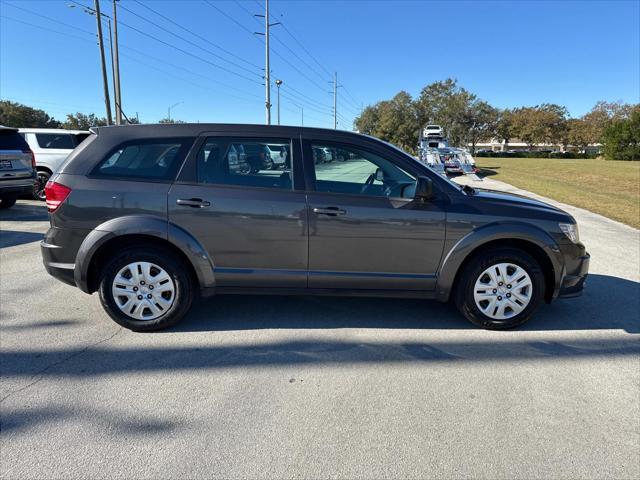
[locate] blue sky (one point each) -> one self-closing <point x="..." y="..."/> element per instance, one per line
<point x="508" y="53"/>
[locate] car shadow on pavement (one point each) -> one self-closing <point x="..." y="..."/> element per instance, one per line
<point x="11" y="238"/>
<point x="25" y="212"/>
<point x="607" y="303"/>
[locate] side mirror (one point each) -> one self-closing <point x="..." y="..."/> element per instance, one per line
<point x="424" y="189"/>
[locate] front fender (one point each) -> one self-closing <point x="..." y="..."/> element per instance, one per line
<point x="142" y="225"/>
<point x="453" y="259"/>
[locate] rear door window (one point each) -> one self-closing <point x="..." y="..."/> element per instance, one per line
<point x="60" y="141"/>
<point x="157" y="160"/>
<point x="249" y="162"/>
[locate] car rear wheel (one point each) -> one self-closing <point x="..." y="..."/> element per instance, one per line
<point x="8" y="200"/>
<point x="500" y="289"/>
<point x="38" y="188"/>
<point x="145" y="290"/>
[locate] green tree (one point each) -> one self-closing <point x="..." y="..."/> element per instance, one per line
<point x="578" y="133"/>
<point x="479" y="121"/>
<point x="170" y="120"/>
<point x="13" y="114"/>
<point x="83" y="121"/>
<point x="621" y="137"/>
<point x="447" y="104"/>
<point x="544" y="123"/>
<point x="503" y="129"/>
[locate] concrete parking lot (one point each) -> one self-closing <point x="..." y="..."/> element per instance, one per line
<point x="273" y="387"/>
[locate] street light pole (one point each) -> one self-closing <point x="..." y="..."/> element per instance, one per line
<point x="169" y="110"/>
<point x="278" y="83"/>
<point x="107" y="101"/>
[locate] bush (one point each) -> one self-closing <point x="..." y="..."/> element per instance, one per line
<point x="536" y="155"/>
<point x="622" y="138"/>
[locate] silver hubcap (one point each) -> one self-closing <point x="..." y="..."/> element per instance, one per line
<point x="143" y="290"/>
<point x="503" y="291"/>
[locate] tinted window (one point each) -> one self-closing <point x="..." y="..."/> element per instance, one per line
<point x="245" y="162"/>
<point x="63" y="141"/>
<point x="12" y="140"/>
<point x="343" y="169"/>
<point x="155" y="160"/>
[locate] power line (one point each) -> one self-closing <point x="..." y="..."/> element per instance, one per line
<point x="144" y="54"/>
<point x="47" y="28"/>
<point x="51" y="19"/>
<point x="196" y="35"/>
<point x="191" y="43"/>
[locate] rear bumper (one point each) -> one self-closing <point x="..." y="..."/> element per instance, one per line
<point x="575" y="278"/>
<point x="24" y="186"/>
<point x="60" y="270"/>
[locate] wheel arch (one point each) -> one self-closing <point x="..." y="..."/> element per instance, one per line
<point x="115" y="234"/>
<point x="527" y="238"/>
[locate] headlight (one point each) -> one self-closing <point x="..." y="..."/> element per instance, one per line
<point x="571" y="231"/>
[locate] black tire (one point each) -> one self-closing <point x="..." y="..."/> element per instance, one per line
<point x="165" y="259"/>
<point x="7" y="201"/>
<point x="38" y="188"/>
<point x="464" y="293"/>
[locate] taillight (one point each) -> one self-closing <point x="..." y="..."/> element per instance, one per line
<point x="33" y="158"/>
<point x="55" y="194"/>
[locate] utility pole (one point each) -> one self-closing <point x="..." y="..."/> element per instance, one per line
<point x="335" y="100"/>
<point x="267" y="71"/>
<point x="116" y="75"/>
<point x="278" y="83"/>
<point x="302" y="110"/>
<point x="107" y="101"/>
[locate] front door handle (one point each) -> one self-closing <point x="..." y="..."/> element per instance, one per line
<point x="193" y="202"/>
<point x="331" y="211"/>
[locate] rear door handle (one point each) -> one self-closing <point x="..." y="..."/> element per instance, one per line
<point x="193" y="202"/>
<point x="331" y="211"/>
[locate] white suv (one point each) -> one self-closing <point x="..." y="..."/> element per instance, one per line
<point x="50" y="147"/>
<point x="431" y="131"/>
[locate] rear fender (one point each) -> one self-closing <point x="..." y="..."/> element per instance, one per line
<point x="143" y="225"/>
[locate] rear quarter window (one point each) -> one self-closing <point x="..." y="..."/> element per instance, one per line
<point x="60" y="141"/>
<point x="154" y="160"/>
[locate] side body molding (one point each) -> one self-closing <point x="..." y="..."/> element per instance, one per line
<point x="144" y="225"/>
<point x="453" y="259"/>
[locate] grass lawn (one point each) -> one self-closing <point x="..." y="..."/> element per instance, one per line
<point x="610" y="188"/>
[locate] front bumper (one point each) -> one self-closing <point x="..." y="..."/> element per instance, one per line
<point x="574" y="280"/>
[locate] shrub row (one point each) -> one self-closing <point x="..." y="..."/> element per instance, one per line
<point x="535" y="155"/>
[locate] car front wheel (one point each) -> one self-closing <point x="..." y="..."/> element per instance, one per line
<point x="500" y="289"/>
<point x="145" y="290"/>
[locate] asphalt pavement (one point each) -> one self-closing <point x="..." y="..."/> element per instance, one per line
<point x="283" y="387"/>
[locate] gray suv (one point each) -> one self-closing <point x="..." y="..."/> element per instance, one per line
<point x="151" y="216"/>
<point x="17" y="167"/>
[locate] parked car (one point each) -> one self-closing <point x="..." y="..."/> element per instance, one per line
<point x="149" y="231"/>
<point x="433" y="131"/>
<point x="51" y="147"/>
<point x="279" y="157"/>
<point x="17" y="167"/>
<point x="319" y="155"/>
<point x="450" y="159"/>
